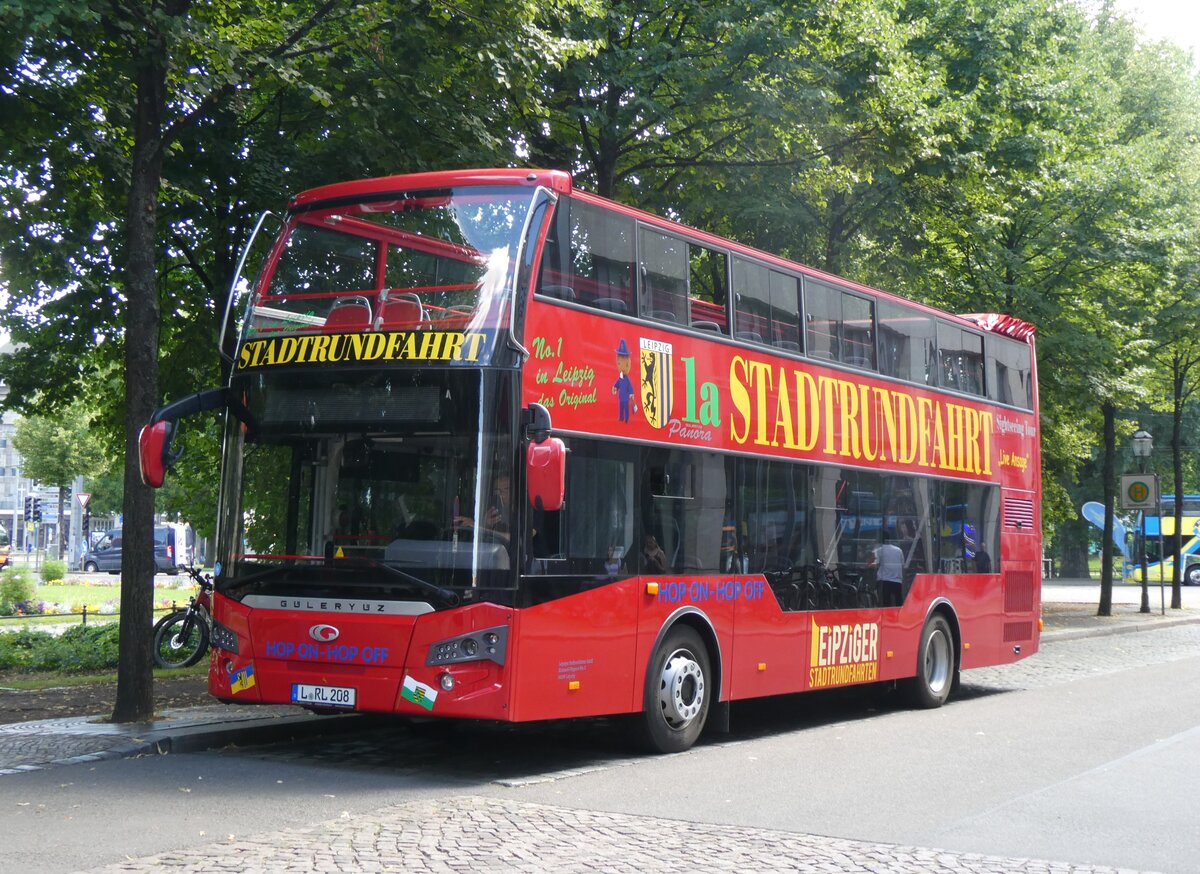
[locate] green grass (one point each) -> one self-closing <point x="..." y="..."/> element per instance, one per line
<point x="74" y="595"/>
<point x="70" y="597"/>
<point x="27" y="681"/>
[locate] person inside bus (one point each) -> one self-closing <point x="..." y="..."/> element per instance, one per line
<point x="888" y="562"/>
<point x="495" y="518"/>
<point x="612" y="564"/>
<point x="654" y="560"/>
<point x="771" y="554"/>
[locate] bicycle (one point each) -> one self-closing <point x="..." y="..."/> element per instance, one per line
<point x="181" y="638"/>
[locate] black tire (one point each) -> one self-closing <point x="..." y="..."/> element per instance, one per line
<point x="179" y="640"/>
<point x="678" y="692"/>
<point x="91" y="567"/>
<point x="937" y="665"/>
<point x="1192" y="578"/>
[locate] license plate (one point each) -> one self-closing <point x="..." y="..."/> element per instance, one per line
<point x="325" y="696"/>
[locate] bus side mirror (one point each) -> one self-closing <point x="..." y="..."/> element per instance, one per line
<point x="154" y="452"/>
<point x="154" y="441"/>
<point x="546" y="473"/>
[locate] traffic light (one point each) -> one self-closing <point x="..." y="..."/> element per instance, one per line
<point x="37" y="510"/>
<point x="29" y="507"/>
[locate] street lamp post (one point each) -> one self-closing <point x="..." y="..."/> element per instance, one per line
<point x="1143" y="445"/>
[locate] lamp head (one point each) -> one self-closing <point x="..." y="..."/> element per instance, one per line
<point x="1143" y="443"/>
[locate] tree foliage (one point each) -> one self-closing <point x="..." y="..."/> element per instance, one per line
<point x="56" y="450"/>
<point x="1030" y="157"/>
<point x="133" y="123"/>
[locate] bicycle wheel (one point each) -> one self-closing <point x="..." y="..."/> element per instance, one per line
<point x="180" y="640"/>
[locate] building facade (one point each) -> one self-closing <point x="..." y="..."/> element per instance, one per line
<point x="14" y="486"/>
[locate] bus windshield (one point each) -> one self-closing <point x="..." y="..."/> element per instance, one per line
<point x="381" y="482"/>
<point x="435" y="260"/>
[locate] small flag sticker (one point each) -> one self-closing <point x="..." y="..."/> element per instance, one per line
<point x="418" y="693"/>
<point x="242" y="680"/>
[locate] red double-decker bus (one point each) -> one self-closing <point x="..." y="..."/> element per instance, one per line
<point x="501" y="449"/>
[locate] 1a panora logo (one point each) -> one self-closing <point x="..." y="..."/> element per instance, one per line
<point x="323" y="633"/>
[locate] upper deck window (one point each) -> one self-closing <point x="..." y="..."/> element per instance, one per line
<point x="1011" y="378"/>
<point x="840" y="325"/>
<point x="663" y="268"/>
<point x="907" y="343"/>
<point x="708" y="288"/>
<point x="588" y="257"/>
<point x="767" y="304"/>
<point x="960" y="359"/>
<point x="436" y="260"/>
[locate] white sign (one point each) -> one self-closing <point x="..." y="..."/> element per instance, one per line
<point x="83" y="498"/>
<point x="1139" y="491"/>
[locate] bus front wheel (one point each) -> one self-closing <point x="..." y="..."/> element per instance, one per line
<point x="677" y="692"/>
<point x="936" y="665"/>
<point x="1193" y="575"/>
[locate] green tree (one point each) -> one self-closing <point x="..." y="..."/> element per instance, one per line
<point x="136" y="153"/>
<point x="176" y="62"/>
<point x="54" y="451"/>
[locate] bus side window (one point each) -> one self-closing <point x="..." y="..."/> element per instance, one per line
<point x="1009" y="372"/>
<point x="596" y="521"/>
<point x="663" y="268"/>
<point x="708" y="287"/>
<point x="960" y="359"/>
<point x="906" y="343"/>
<point x="967" y="528"/>
<point x="598" y="263"/>
<point x="840" y="324"/>
<point x="684" y="507"/>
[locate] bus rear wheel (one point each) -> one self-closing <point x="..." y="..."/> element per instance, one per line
<point x="1193" y="575"/>
<point x="936" y="665"/>
<point x="677" y="692"/>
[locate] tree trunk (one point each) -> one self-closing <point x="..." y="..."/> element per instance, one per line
<point x="1072" y="540"/>
<point x="64" y="495"/>
<point x="1106" y="548"/>
<point x="135" y="698"/>
<point x="1177" y="471"/>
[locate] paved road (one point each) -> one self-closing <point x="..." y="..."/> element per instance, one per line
<point x="1088" y="753"/>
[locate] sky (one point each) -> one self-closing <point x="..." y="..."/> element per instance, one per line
<point x="1176" y="20"/>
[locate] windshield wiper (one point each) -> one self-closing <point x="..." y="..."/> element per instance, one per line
<point x="449" y="597"/>
<point x="228" y="582"/>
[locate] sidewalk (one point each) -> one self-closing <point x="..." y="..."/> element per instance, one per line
<point x="31" y="746"/>
<point x="1064" y="621"/>
<point x="1068" y="609"/>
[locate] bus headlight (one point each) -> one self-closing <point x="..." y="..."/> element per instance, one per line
<point x="490" y="644"/>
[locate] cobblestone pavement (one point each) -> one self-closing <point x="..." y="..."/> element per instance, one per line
<point x="30" y="746"/>
<point x="473" y="834"/>
<point x="1065" y="661"/>
<point x="466" y="832"/>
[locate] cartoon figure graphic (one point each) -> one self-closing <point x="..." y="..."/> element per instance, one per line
<point x="623" y="387"/>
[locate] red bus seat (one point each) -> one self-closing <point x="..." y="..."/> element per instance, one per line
<point x="399" y="309"/>
<point x="349" y="314"/>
